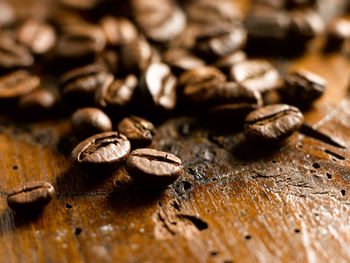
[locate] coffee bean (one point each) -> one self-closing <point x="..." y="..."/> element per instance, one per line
<point x="272" y="123"/>
<point x="139" y="131"/>
<point x="200" y="76"/>
<point x="109" y="59"/>
<point x="255" y="74"/>
<point x="229" y="60"/>
<point x="302" y="87"/>
<point x="102" y="151"/>
<point x="338" y="30"/>
<point x="38" y="102"/>
<point x="118" y="31"/>
<point x="306" y="23"/>
<point x="116" y="93"/>
<point x="160" y="84"/>
<point x="79" y="85"/>
<point x="90" y="121"/>
<point x="17" y="83"/>
<point x="181" y="60"/>
<point x="7" y="14"/>
<point x="34" y="194"/>
<point x="39" y="36"/>
<point x="152" y="167"/>
<point x="80" y="39"/>
<point x="13" y="54"/>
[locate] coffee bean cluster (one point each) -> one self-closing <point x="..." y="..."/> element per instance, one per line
<point x="111" y="65"/>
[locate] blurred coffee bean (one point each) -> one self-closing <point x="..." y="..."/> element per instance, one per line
<point x="256" y="74"/>
<point x="7" y="14"/>
<point x="116" y="93"/>
<point x="181" y="60"/>
<point x="101" y="152"/>
<point x="118" y="31"/>
<point x="272" y="123"/>
<point x="109" y="59"/>
<point x="221" y="40"/>
<point x="89" y="121"/>
<point x="159" y="84"/>
<point x="306" y="23"/>
<point x="229" y="60"/>
<point x="80" y="4"/>
<point x="37" y="103"/>
<point x="139" y="131"/>
<point x="153" y="168"/>
<point x="338" y="31"/>
<point x="17" y="83"/>
<point x="30" y="195"/>
<point x="79" y="85"/>
<point x="39" y="36"/>
<point x="302" y="87"/>
<point x="13" y="54"/>
<point x="200" y="76"/>
<point x="80" y="39"/>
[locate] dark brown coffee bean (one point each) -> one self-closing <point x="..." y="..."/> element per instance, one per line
<point x="160" y="84"/>
<point x="152" y="167"/>
<point x="7" y="14"/>
<point x="37" y="102"/>
<point x="302" y="87"/>
<point x="79" y="85"/>
<point x="116" y="93"/>
<point x="102" y="151"/>
<point x="17" y="83"/>
<point x="200" y="76"/>
<point x="34" y="194"/>
<point x="306" y="23"/>
<point x="273" y="123"/>
<point x="218" y="41"/>
<point x="118" y="31"/>
<point x="181" y="60"/>
<point x="80" y="40"/>
<point x="338" y="30"/>
<point x="258" y="75"/>
<point x="90" y="121"/>
<point x="229" y="60"/>
<point x="139" y="131"/>
<point x="13" y="54"/>
<point x="39" y="36"/>
<point x="109" y="59"/>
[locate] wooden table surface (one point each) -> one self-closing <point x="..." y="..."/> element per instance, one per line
<point x="234" y="203"/>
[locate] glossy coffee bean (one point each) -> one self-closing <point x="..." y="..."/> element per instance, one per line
<point x="200" y="76"/>
<point x="33" y="195"/>
<point x="13" y="54"/>
<point x="152" y="167"/>
<point x="302" y="87"/>
<point x="80" y="40"/>
<point x="109" y="59"/>
<point x="255" y="74"/>
<point x="118" y="31"/>
<point x="17" y="83"/>
<point x="181" y="60"/>
<point x="338" y="30"/>
<point x="116" y="93"/>
<point x="229" y="60"/>
<point x="86" y="122"/>
<point x="272" y="123"/>
<point x="37" y="102"/>
<point x="39" y="36"/>
<point x="102" y="151"/>
<point x="159" y="83"/>
<point x="306" y="23"/>
<point x="139" y="131"/>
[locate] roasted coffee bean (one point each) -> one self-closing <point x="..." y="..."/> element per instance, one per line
<point x="160" y="84"/>
<point x="33" y="195"/>
<point x="7" y="14"/>
<point x="218" y="41"/>
<point x="109" y="59"/>
<point x="338" y="30"/>
<point x="272" y="123"/>
<point x="17" y="83"/>
<point x="80" y="84"/>
<point x="306" y="23"/>
<point x="229" y="60"/>
<point x="80" y="40"/>
<point x="118" y="31"/>
<point x="205" y="75"/>
<point x="255" y="74"/>
<point x="37" y="102"/>
<point x="139" y="131"/>
<point x="90" y="121"/>
<point x="181" y="60"/>
<point x="102" y="151"/>
<point x="221" y="93"/>
<point x="39" y="36"/>
<point x="152" y="167"/>
<point x="302" y="87"/>
<point x="116" y="93"/>
<point x="13" y="54"/>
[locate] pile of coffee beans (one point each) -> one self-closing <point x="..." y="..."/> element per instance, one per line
<point x="117" y="66"/>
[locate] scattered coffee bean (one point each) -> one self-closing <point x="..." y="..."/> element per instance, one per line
<point x="109" y="59"/>
<point x="37" y="102"/>
<point x="306" y="23"/>
<point x="181" y="60"/>
<point x="302" y="87"/>
<point x="13" y="54"/>
<point x="160" y="84"/>
<point x="102" y="151"/>
<point x="152" y="167"/>
<point x="229" y="60"/>
<point x="139" y="131"/>
<point x="205" y="75"/>
<point x="34" y="194"/>
<point x="338" y="30"/>
<point x="90" y="121"/>
<point x="17" y="83"/>
<point x="272" y="123"/>
<point x="255" y="74"/>
<point x="40" y="37"/>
